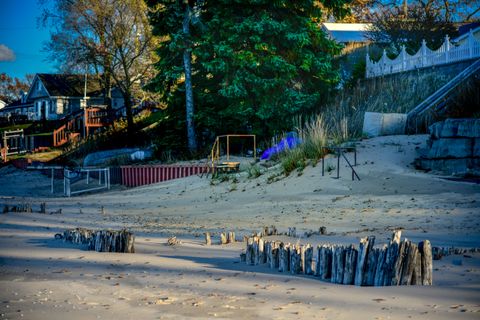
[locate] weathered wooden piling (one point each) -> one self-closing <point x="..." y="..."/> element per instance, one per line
<point x="398" y="263"/>
<point x="231" y="237"/>
<point x="338" y="264"/>
<point x="364" y="249"/>
<point x="425" y="249"/>
<point x="102" y="240"/>
<point x="295" y="259"/>
<point x="308" y="267"/>
<point x="208" y="239"/>
<point x="324" y="262"/>
<point x="223" y="238"/>
<point x="284" y="257"/>
<point x="350" y="264"/>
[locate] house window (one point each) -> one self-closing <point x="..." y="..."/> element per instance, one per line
<point x="39" y="85"/>
<point x="52" y="106"/>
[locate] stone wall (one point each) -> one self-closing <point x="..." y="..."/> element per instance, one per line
<point x="453" y="148"/>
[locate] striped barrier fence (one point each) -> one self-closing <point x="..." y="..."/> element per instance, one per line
<point x="134" y="176"/>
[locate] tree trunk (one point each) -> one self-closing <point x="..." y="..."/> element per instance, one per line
<point x="128" y="108"/>
<point x="187" y="64"/>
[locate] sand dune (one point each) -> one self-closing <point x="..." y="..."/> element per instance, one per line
<point x="43" y="278"/>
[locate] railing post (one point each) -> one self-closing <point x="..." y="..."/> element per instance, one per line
<point x="384" y="62"/>
<point x="447" y="48"/>
<point x="470" y="44"/>
<point x="403" y="55"/>
<point x="367" y="65"/>
<point x="424" y="53"/>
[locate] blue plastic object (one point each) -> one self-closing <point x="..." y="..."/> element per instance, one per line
<point x="289" y="142"/>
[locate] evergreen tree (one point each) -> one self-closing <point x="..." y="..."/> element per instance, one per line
<point x="256" y="63"/>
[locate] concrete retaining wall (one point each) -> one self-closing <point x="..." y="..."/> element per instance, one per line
<point x="453" y="147"/>
<point x="383" y="124"/>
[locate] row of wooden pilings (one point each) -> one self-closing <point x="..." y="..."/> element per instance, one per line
<point x="398" y="263"/>
<point x="134" y="176"/>
<point x="101" y="240"/>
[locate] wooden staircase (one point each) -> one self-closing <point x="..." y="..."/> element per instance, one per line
<point x="78" y="125"/>
<point x="438" y="100"/>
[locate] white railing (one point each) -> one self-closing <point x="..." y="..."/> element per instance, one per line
<point x="425" y="57"/>
<point x="85" y="180"/>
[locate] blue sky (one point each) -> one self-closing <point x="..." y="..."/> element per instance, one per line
<point x="21" y="41"/>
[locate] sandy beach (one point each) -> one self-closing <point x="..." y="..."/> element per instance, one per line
<point x="41" y="277"/>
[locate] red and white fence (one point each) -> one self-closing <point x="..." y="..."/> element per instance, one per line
<point x="134" y="176"/>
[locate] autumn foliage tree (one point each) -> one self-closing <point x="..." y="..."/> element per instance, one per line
<point x="108" y="37"/>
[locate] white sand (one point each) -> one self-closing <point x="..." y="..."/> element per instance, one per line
<point x="45" y="278"/>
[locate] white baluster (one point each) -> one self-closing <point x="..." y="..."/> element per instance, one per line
<point x="447" y="48"/>
<point x="471" y="40"/>
<point x="424" y="53"/>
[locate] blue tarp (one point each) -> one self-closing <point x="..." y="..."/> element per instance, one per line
<point x="289" y="142"/>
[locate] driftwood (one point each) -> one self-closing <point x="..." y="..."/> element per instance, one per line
<point x="101" y="241"/>
<point x="398" y="263"/>
<point x="173" y="241"/>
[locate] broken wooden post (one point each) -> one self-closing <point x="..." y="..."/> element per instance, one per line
<point x="223" y="238"/>
<point x="249" y="255"/>
<point x="385" y="274"/>
<point x="350" y="264"/>
<point x="308" y="260"/>
<point x="261" y="251"/>
<point x="338" y="264"/>
<point x="231" y="237"/>
<point x="417" y="272"/>
<point x="274" y="254"/>
<point x="370" y="270"/>
<point x="324" y="262"/>
<point x="408" y="265"/>
<point x="366" y="245"/>
<point x="379" y="269"/>
<point x="295" y="259"/>
<point x="102" y="240"/>
<point x="43" y="207"/>
<point x="399" y="263"/>
<point x="426" y="252"/>
<point x="284" y="257"/>
<point x="208" y="239"/>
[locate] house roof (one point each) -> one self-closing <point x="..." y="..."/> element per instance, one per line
<point x="69" y="85"/>
<point x="347" y="32"/>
